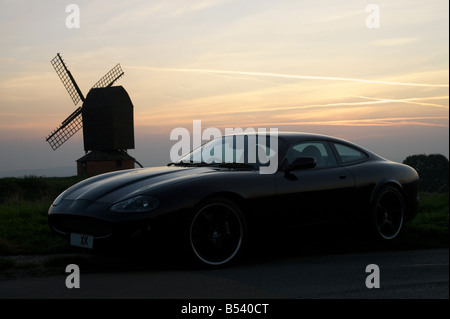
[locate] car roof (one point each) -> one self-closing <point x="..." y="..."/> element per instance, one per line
<point x="291" y="137"/>
<point x="294" y="136"/>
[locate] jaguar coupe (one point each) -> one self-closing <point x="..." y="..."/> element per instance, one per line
<point x="210" y="198"/>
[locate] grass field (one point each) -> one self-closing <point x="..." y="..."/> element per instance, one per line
<point x="429" y="229"/>
<point x="24" y="203"/>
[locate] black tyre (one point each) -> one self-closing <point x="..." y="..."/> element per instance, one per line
<point x="217" y="233"/>
<point x="388" y="213"/>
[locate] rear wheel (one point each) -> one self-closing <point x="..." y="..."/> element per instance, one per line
<point x="388" y="211"/>
<point x="217" y="233"/>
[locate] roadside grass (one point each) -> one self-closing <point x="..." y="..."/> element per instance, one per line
<point x="33" y="188"/>
<point x="430" y="227"/>
<point x="24" y="203"/>
<point x="24" y="229"/>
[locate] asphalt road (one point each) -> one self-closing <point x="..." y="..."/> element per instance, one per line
<point x="418" y="274"/>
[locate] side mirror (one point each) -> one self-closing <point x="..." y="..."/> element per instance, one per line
<point x="302" y="163"/>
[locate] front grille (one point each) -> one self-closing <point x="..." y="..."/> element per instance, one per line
<point x="80" y="224"/>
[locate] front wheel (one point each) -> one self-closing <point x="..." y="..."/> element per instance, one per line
<point x="216" y="233"/>
<point x="388" y="211"/>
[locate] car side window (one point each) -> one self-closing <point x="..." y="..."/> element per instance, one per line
<point x="349" y="155"/>
<point x="320" y="150"/>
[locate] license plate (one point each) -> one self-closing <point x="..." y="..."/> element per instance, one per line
<point x="82" y="240"/>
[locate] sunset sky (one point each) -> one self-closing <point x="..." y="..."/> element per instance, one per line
<point x="295" y="65"/>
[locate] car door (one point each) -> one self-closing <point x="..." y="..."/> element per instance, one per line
<point x="313" y="195"/>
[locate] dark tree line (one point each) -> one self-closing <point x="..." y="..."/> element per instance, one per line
<point x="433" y="171"/>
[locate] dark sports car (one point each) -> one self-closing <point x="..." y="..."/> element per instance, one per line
<point x="214" y="195"/>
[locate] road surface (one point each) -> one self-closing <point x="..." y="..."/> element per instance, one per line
<point x="418" y="274"/>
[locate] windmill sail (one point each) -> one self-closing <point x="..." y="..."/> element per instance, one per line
<point x="68" y="127"/>
<point x="74" y="122"/>
<point x="109" y="78"/>
<point x="67" y="79"/>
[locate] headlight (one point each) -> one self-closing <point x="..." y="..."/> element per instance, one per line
<point x="137" y="204"/>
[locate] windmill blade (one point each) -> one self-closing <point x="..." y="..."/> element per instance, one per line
<point x="67" y="79"/>
<point x="67" y="129"/>
<point x="109" y="78"/>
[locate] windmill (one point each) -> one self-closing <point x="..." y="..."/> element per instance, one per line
<point x="106" y="116"/>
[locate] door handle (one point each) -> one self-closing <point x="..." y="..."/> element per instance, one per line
<point x="342" y="176"/>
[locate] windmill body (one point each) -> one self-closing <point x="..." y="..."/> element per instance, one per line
<point x="106" y="116"/>
<point x="108" y="120"/>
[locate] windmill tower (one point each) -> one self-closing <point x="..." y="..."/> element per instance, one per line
<point x="106" y="116"/>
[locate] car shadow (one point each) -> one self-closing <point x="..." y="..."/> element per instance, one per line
<point x="263" y="246"/>
<point x="312" y="240"/>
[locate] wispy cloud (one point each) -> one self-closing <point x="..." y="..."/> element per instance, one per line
<point x="395" y="41"/>
<point x="283" y="111"/>
<point x="415" y="100"/>
<point x="290" y="76"/>
<point x="388" y="121"/>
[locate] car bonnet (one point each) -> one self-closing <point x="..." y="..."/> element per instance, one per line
<point x="113" y="187"/>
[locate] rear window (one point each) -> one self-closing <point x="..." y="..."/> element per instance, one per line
<point x="350" y="155"/>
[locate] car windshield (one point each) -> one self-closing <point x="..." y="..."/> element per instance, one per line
<point x="239" y="151"/>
